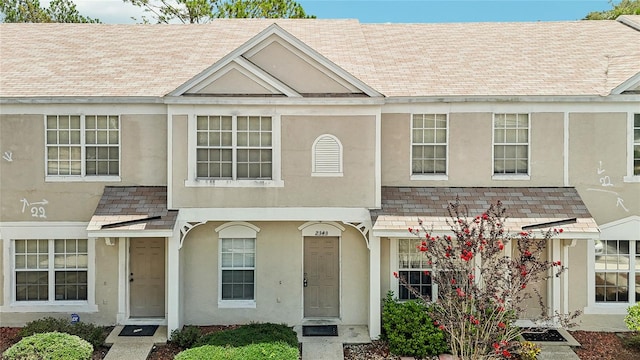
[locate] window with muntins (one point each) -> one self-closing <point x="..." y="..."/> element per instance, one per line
<point x="636" y="144"/>
<point x="238" y="268"/>
<point x="82" y="145"/>
<point x="617" y="271"/>
<point x="234" y="147"/>
<point x="413" y="266"/>
<point x="429" y="144"/>
<point x="50" y="270"/>
<point x="511" y="144"/>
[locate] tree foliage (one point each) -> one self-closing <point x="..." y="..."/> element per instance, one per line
<point x="624" y="7"/>
<point x="202" y="11"/>
<point x="30" y="11"/>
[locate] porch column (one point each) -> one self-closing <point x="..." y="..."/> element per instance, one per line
<point x="374" y="287"/>
<point x="174" y="309"/>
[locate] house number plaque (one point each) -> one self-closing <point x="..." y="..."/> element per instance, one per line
<point x="322" y="233"/>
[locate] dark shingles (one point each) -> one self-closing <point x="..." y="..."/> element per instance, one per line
<point x="144" y="201"/>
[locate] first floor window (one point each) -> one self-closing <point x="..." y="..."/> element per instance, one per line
<point x="413" y="266"/>
<point x="238" y="268"/>
<point x="54" y="269"/>
<point x="617" y="271"/>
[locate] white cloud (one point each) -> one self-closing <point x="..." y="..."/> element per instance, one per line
<point x="108" y="11"/>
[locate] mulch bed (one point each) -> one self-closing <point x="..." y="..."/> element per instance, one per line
<point x="9" y="336"/>
<point x="603" y="346"/>
<point x="170" y="350"/>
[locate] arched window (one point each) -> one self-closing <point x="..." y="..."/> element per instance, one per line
<point x="327" y="156"/>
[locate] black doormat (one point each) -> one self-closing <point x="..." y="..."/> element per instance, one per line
<point x="138" y="330"/>
<point x="319" y="330"/>
<point x="534" y="334"/>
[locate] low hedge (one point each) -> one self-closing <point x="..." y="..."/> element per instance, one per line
<point x="50" y="346"/>
<point x="272" y="351"/>
<point x="251" y="334"/>
<point x="95" y="335"/>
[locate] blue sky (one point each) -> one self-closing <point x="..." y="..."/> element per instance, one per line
<point x="379" y="11"/>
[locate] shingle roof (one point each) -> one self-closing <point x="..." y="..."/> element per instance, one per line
<point x="403" y="206"/>
<point x="129" y="207"/>
<point x="483" y="59"/>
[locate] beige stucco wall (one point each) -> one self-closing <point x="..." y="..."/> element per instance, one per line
<point x="143" y="157"/>
<point x="279" y="272"/>
<point x="598" y="156"/>
<point x="356" y="188"/>
<point x="470" y="151"/>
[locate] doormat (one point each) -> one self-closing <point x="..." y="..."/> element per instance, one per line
<point x="320" y="330"/>
<point x="542" y="335"/>
<point x="138" y="330"/>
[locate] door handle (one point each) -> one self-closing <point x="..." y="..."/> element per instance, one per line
<point x="131" y="277"/>
<point x="304" y="281"/>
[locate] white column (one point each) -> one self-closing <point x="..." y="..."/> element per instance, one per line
<point x="374" y="287"/>
<point x="554" y="287"/>
<point x="123" y="280"/>
<point x="174" y="310"/>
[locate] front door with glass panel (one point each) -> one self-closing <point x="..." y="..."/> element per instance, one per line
<point x="321" y="277"/>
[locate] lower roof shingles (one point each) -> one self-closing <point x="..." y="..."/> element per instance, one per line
<point x="403" y="207"/>
<point x="133" y="208"/>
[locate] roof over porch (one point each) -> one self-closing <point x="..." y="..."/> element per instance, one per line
<point x="526" y="206"/>
<point x="132" y="211"/>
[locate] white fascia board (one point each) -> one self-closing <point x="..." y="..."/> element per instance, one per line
<point x="84" y="108"/>
<point x="267" y="78"/>
<point x="300" y="101"/>
<point x="82" y="100"/>
<point x="404" y="233"/>
<point x="274" y="214"/>
<point x="504" y="106"/>
<point x="129" y="233"/>
<point x="631" y="83"/>
<point x="43" y="230"/>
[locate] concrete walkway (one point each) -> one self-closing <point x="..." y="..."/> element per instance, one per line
<point x="330" y="347"/>
<point x="133" y="347"/>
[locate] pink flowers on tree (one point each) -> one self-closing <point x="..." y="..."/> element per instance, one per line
<point x="481" y="286"/>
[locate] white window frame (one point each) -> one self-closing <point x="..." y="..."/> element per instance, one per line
<point x="631" y="177"/>
<point x="37" y="230"/>
<point x="623" y="229"/>
<point x="495" y="176"/>
<point x="237" y="230"/>
<point x="83" y="157"/>
<point x="316" y="157"/>
<point x="395" y="266"/>
<point x="192" y="178"/>
<point x="436" y="177"/>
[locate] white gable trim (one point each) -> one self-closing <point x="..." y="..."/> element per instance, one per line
<point x="623" y="229"/>
<point x="274" y="29"/>
<point x="631" y="83"/>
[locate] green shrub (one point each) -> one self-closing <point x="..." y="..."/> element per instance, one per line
<point x="409" y="330"/>
<point x="251" y="334"/>
<point x="271" y="351"/>
<point x="50" y="346"/>
<point x="632" y="320"/>
<point x="186" y="337"/>
<point x="95" y="335"/>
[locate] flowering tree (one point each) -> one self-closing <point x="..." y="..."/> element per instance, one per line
<point x="481" y="289"/>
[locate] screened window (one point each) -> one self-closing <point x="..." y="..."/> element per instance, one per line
<point x="511" y="144"/>
<point x="83" y="145"/>
<point x="413" y="266"/>
<point x="234" y="147"/>
<point x="50" y="269"/>
<point x="429" y="144"/>
<point x="238" y="268"/>
<point x="617" y="271"/>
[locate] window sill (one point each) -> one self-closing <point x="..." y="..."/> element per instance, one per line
<point x="63" y="307"/>
<point x="236" y="304"/>
<point x="433" y="177"/>
<point x="632" y="179"/>
<point x="607" y="309"/>
<point x="517" y="177"/>
<point x="79" y="178"/>
<point x="336" y="174"/>
<point x="234" y="183"/>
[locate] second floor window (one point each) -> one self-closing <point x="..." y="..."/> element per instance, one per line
<point x="234" y="147"/>
<point x="429" y="144"/>
<point x="511" y="144"/>
<point x="83" y="145"/>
